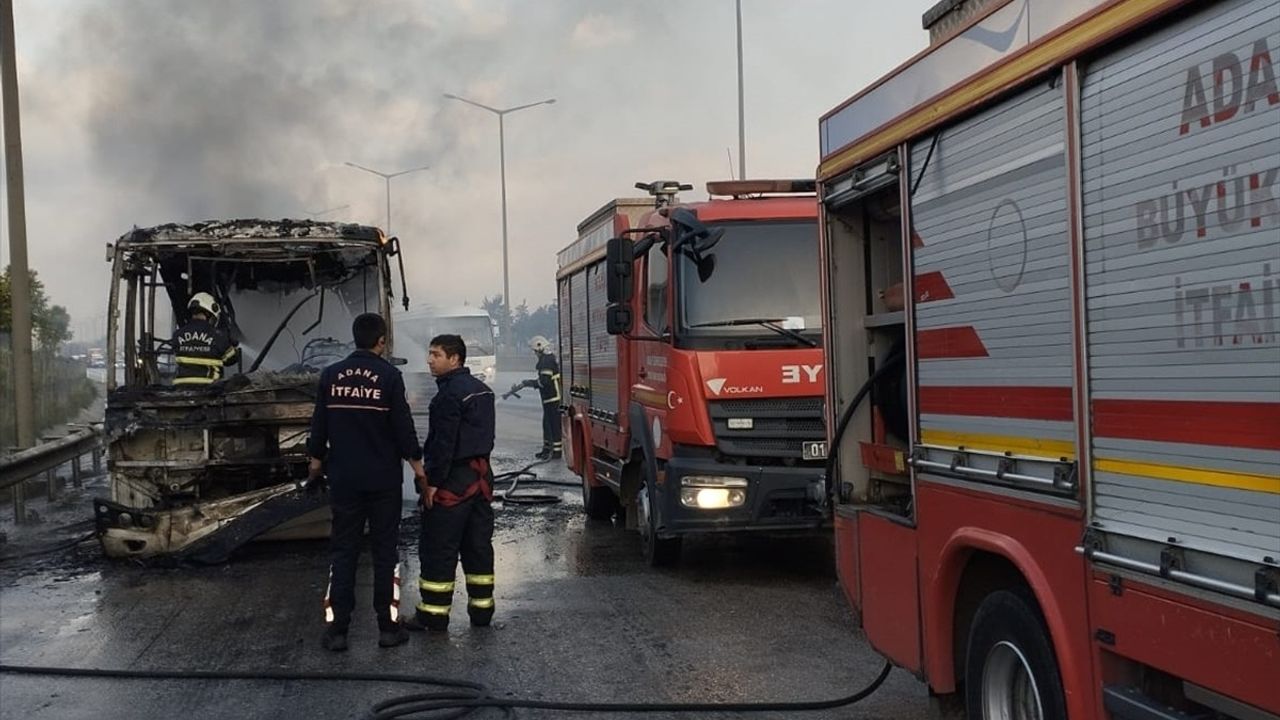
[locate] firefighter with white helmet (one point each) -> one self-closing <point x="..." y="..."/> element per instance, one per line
<point x="202" y="350"/>
<point x="548" y="385"/>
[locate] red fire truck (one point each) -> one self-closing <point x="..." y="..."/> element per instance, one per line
<point x="1051" y="252"/>
<point x="690" y="348"/>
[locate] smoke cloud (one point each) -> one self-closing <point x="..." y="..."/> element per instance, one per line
<point x="139" y="112"/>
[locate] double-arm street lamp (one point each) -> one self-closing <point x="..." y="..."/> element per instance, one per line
<point x="387" y="177"/>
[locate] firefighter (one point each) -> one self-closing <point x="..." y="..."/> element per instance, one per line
<point x="457" y="515"/>
<point x="201" y="349"/>
<point x="548" y="386"/>
<point x="360" y="432"/>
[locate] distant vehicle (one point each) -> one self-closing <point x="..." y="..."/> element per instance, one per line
<point x="418" y="326"/>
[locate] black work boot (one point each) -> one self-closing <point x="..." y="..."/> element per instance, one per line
<point x="481" y="618"/>
<point x="544" y="455"/>
<point x="391" y="635"/>
<point x="556" y="454"/>
<point x="426" y="621"/>
<point x="334" y="639"/>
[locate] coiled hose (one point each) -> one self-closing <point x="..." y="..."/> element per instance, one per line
<point x="527" y="476"/>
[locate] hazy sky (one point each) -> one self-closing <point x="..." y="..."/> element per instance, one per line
<point x="138" y="112"/>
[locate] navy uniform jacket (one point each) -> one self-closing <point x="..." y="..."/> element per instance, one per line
<point x="461" y="425"/>
<point x="361" y="426"/>
<point x="201" y="351"/>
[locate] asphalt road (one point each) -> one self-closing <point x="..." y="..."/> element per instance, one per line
<point x="579" y="617"/>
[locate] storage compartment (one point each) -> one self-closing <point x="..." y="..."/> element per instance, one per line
<point x="864" y="244"/>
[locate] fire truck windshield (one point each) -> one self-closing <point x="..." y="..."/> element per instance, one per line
<point x="762" y="270"/>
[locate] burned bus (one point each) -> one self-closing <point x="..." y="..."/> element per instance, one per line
<point x="198" y="470"/>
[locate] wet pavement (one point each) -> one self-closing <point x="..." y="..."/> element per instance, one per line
<point x="580" y="616"/>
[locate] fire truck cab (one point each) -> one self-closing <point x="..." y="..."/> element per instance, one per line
<point x="690" y="345"/>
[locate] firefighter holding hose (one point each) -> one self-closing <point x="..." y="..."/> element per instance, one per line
<point x="548" y="386"/>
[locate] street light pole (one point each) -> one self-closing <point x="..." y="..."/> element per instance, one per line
<point x="506" y="277"/>
<point x="742" y="115"/>
<point x="19" y="276"/>
<point x="502" y="166"/>
<point x="387" y="178"/>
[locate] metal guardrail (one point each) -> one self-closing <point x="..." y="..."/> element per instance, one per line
<point x="46" y="458"/>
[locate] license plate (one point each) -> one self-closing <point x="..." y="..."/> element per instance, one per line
<point x="814" y="450"/>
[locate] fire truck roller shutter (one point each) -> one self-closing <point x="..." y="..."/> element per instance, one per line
<point x="1180" y="158"/>
<point x="992" y="277"/>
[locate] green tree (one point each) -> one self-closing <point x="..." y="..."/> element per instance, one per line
<point x="51" y="324"/>
<point x="61" y="388"/>
<point x="497" y="310"/>
<point x="544" y="321"/>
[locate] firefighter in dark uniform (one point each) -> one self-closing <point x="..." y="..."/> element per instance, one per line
<point x="360" y="432"/>
<point x="548" y="386"/>
<point x="457" y="516"/>
<point x="201" y="349"/>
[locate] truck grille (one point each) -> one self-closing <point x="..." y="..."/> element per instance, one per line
<point x="779" y="426"/>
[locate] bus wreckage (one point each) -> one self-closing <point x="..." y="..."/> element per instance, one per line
<point x="198" y="470"/>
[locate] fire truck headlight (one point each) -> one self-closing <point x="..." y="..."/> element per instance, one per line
<point x="709" y="492"/>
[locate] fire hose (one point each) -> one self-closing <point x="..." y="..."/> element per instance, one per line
<point x="454" y="698"/>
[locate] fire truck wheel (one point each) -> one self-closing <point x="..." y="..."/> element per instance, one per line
<point x="599" y="501"/>
<point x="659" y="552"/>
<point x="1010" y="669"/>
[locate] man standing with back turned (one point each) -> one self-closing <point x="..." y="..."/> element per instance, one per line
<point x="361" y="431"/>
<point x="457" y="515"/>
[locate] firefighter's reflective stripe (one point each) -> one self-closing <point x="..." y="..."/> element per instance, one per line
<point x="480" y="603"/>
<point x="211" y="370"/>
<point x="433" y="609"/>
<point x="204" y="362"/>
<point x="555" y="381"/>
<point x="193" y="381"/>
<point x="436" y="587"/>
<point x="479" y="579"/>
<point x="226" y="357"/>
<point x="328" y="607"/>
<point x="395" y="594"/>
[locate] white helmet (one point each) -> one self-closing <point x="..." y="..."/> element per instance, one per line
<point x="204" y="302"/>
<point x="539" y="344"/>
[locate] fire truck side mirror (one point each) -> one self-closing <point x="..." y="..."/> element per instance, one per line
<point x="618" y="320"/>
<point x="619" y="261"/>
